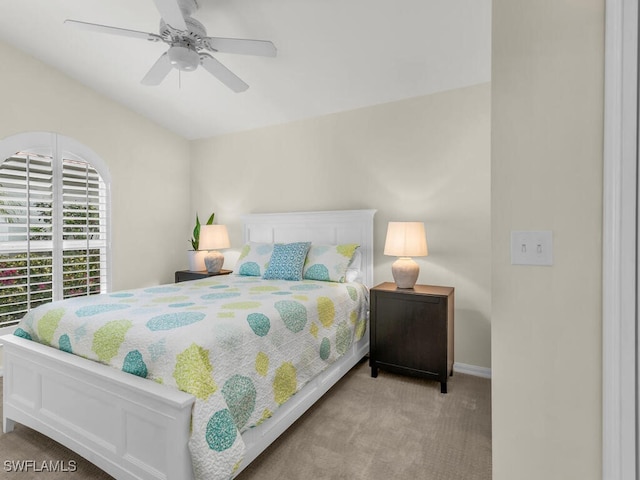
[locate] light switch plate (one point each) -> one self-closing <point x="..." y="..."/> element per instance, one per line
<point x="532" y="247"/>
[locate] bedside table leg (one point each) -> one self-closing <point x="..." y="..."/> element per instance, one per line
<point x="443" y="387"/>
<point x="374" y="371"/>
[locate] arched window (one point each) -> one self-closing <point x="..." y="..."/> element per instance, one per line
<point x="54" y="222"/>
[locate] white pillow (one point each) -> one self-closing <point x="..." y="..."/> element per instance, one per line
<point x="328" y="263"/>
<point x="254" y="259"/>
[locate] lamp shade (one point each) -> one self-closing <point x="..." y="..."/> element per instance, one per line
<point x="406" y="239"/>
<point x="213" y="237"/>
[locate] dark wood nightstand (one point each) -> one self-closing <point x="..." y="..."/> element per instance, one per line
<point x="185" y="275"/>
<point x="412" y="331"/>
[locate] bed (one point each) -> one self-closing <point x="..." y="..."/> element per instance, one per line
<point x="134" y="428"/>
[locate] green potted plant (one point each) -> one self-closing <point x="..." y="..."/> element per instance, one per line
<point x="196" y="256"/>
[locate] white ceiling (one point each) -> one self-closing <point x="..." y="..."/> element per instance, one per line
<point x="333" y="55"/>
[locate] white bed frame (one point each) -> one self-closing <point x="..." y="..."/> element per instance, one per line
<point x="134" y="428"/>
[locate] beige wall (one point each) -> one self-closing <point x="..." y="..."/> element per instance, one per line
<point x="421" y="159"/>
<point x="149" y="166"/>
<point x="547" y="108"/>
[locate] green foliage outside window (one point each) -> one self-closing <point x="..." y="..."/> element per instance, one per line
<point x="26" y="280"/>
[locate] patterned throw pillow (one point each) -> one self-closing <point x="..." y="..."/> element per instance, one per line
<point x="287" y="261"/>
<point x="254" y="258"/>
<point x="329" y="263"/>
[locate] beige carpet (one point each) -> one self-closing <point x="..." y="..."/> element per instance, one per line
<point x="390" y="427"/>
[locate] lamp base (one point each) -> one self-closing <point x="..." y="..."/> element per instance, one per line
<point x="213" y="261"/>
<point x="405" y="272"/>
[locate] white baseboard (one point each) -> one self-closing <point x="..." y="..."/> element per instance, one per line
<point x="474" y="370"/>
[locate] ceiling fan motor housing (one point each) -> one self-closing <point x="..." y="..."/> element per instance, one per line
<point x="195" y="31"/>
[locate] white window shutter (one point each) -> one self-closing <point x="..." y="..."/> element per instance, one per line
<point x="84" y="234"/>
<point x="53" y="232"/>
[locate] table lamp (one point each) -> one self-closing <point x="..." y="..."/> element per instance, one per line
<point x="213" y="237"/>
<point x="405" y="240"/>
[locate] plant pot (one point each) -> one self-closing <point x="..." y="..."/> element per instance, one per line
<point x="196" y="260"/>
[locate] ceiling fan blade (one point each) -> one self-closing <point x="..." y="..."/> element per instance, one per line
<point x="158" y="71"/>
<point x="114" y="30"/>
<point x="262" y="48"/>
<point x="171" y="13"/>
<point x="222" y="73"/>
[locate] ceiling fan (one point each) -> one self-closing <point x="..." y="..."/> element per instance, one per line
<point x="188" y="42"/>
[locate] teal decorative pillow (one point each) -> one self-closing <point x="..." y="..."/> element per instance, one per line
<point x="329" y="263"/>
<point x="254" y="258"/>
<point x="287" y="261"/>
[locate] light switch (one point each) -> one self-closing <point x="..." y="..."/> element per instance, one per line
<point x="532" y="248"/>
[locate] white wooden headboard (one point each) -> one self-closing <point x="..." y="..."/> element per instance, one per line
<point x="329" y="227"/>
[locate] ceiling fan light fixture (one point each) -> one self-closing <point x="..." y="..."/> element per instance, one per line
<point x="183" y="58"/>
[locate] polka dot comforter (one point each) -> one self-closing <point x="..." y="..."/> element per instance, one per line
<point x="241" y="345"/>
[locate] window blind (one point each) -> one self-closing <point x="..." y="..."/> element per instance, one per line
<point x="53" y="232"/>
<point x="83" y="229"/>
